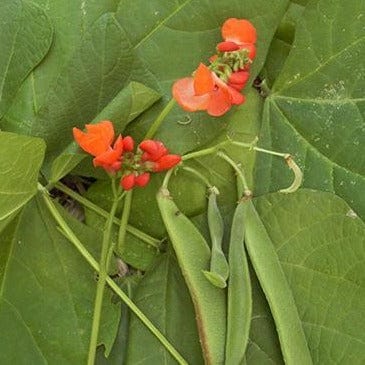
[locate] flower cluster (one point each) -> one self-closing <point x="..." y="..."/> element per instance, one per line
<point x="215" y="88"/>
<point x="134" y="167"/>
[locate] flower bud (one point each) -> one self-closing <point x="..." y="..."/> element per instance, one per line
<point x="118" y="145"/>
<point x="239" y="77"/>
<point x="148" y="146"/>
<point x="128" y="181"/>
<point x="142" y="180"/>
<point x="227" y="47"/>
<point x="166" y="162"/>
<point x="153" y="150"/>
<point x="128" y="143"/>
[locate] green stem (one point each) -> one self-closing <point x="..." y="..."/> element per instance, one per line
<point x="198" y="175"/>
<point x="247" y="191"/>
<point x="103" y="273"/>
<point x="70" y="235"/>
<point x="156" y="124"/>
<point x="95" y="208"/>
<point x="124" y="221"/>
<point x="205" y="152"/>
<point x="167" y="178"/>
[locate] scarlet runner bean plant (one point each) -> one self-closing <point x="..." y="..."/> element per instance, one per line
<point x="167" y="229"/>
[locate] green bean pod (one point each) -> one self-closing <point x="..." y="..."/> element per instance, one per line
<point x="219" y="269"/>
<point x="239" y="300"/>
<point x="193" y="255"/>
<point x="276" y="288"/>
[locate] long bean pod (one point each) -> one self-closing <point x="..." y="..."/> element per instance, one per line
<point x="193" y="256"/>
<point x="276" y="288"/>
<point x="239" y="299"/>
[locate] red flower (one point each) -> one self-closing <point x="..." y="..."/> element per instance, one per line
<point x="135" y="167"/>
<point x="205" y="91"/>
<point x="97" y="141"/>
<point x="240" y="32"/>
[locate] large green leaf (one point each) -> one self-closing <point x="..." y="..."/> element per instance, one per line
<point x="70" y="23"/>
<point x="316" y="110"/>
<point x="164" y="298"/>
<point x="25" y="37"/>
<point x="47" y="292"/>
<point x="319" y="243"/>
<point x="20" y="160"/>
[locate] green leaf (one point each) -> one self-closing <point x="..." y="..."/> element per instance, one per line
<point x="319" y="243"/>
<point x="25" y="37"/>
<point x="164" y="298"/>
<point x="63" y="164"/>
<point x="316" y="111"/>
<point x="47" y="292"/>
<point x="70" y="24"/>
<point x="118" y="352"/>
<point x="20" y="160"/>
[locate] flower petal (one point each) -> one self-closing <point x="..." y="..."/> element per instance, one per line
<point x="97" y="139"/>
<point x="107" y="158"/>
<point x="238" y="31"/>
<point x="236" y="97"/>
<point x="89" y="143"/>
<point x="183" y="92"/>
<point x="203" y="80"/>
<point x="220" y="102"/>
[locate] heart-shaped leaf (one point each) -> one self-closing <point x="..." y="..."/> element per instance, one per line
<point x="316" y="110"/>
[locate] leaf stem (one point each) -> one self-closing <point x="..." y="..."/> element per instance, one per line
<point x="70" y="235"/>
<point x="95" y="208"/>
<point x="156" y="124"/>
<point x="103" y="273"/>
<point x="247" y="191"/>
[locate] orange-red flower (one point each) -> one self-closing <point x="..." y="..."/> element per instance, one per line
<point x="97" y="140"/>
<point x="239" y="32"/>
<point x="205" y="91"/>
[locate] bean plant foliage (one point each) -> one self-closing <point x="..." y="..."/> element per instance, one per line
<point x="200" y="270"/>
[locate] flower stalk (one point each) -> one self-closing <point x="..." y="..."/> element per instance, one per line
<point x="103" y="273"/>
